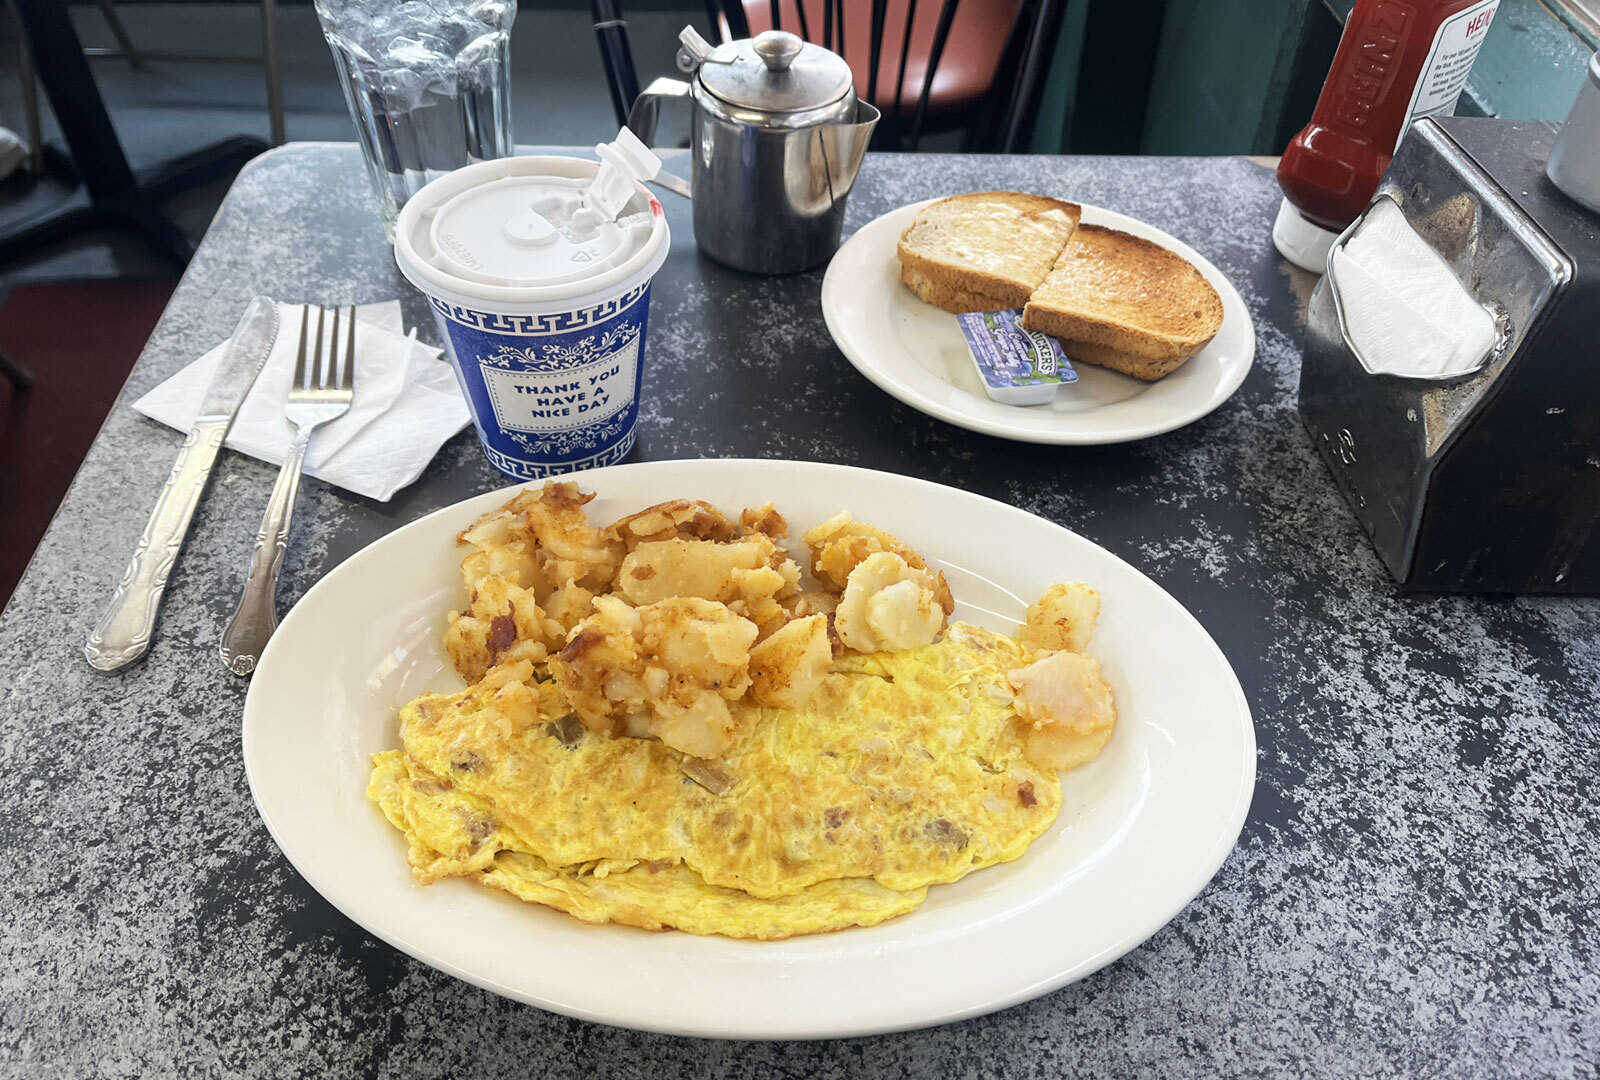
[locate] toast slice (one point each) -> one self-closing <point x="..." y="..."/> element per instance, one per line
<point x="986" y="251"/>
<point x="1121" y="302"/>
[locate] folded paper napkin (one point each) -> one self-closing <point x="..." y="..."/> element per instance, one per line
<point x="1405" y="309"/>
<point x="406" y="404"/>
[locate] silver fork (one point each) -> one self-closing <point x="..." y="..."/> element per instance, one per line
<point x="324" y="384"/>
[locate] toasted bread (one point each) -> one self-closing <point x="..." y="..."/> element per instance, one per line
<point x="1118" y="301"/>
<point x="985" y="251"/>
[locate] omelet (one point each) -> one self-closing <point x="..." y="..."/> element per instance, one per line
<point x="453" y="834"/>
<point x="902" y="770"/>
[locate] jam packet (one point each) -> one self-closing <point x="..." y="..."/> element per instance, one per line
<point x="1017" y="366"/>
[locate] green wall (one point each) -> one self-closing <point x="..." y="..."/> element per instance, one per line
<point x="1222" y="73"/>
<point x="1241" y="76"/>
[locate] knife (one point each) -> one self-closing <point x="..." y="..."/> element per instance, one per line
<point x="123" y="633"/>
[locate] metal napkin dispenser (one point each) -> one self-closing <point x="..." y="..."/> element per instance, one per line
<point x="1488" y="481"/>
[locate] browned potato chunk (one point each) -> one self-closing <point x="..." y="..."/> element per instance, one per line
<point x="841" y="543"/>
<point x="888" y="605"/>
<point x="1063" y="618"/>
<point x="668" y="669"/>
<point x="503" y="624"/>
<point x="690" y="519"/>
<point x="789" y="665"/>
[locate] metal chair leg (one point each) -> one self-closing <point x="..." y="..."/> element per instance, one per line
<point x="30" y="107"/>
<point x="111" y="195"/>
<point x="108" y="8"/>
<point x="1023" y="107"/>
<point x="20" y="377"/>
<point x="274" y="65"/>
<point x="941" y="34"/>
<point x="622" y="78"/>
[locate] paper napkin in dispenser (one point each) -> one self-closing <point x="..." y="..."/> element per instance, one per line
<point x="1404" y="310"/>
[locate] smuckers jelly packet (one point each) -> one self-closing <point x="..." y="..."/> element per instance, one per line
<point x="1017" y="366"/>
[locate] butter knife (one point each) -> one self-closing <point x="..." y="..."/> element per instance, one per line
<point x="123" y="633"/>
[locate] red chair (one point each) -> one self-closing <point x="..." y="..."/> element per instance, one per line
<point x="938" y="65"/>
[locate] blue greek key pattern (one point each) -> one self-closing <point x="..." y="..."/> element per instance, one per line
<point x="532" y="470"/>
<point x="559" y="322"/>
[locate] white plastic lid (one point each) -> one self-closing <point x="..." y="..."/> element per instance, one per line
<point x="517" y="232"/>
<point x="528" y="231"/>
<point x="1302" y="242"/>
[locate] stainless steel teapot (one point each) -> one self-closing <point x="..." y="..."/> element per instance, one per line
<point x="777" y="139"/>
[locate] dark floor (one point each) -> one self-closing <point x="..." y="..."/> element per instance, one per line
<point x="46" y="429"/>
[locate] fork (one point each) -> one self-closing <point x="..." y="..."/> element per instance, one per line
<point x="324" y="384"/>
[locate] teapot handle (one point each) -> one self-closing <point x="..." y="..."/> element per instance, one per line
<point x="646" y="108"/>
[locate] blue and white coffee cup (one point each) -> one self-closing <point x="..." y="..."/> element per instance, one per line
<point x="542" y="305"/>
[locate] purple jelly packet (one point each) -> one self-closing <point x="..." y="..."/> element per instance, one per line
<point x="1017" y="366"/>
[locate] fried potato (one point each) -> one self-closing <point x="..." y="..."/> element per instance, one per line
<point x="671" y="666"/>
<point x="811" y="602"/>
<point x="1065" y="708"/>
<point x="537" y="553"/>
<point x="689" y="519"/>
<point x="1063" y="618"/>
<point x="516" y="704"/>
<point x="765" y="520"/>
<point x="502" y="624"/>
<point x="541" y="540"/>
<point x="502" y="547"/>
<point x="659" y="569"/>
<point x="751" y="576"/>
<point x="565" y="608"/>
<point x="841" y="543"/>
<point x="887" y="605"/>
<point x="599" y="671"/>
<point x="789" y="665"/>
<point x="654" y="625"/>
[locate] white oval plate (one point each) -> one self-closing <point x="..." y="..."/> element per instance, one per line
<point x="915" y="351"/>
<point x="1143" y="827"/>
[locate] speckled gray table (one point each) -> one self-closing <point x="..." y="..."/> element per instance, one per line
<point x="1414" y="893"/>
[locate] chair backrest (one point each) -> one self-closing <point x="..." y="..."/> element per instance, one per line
<point x="933" y="66"/>
<point x="622" y="79"/>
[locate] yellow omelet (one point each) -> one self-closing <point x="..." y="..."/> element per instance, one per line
<point x="903" y="770"/>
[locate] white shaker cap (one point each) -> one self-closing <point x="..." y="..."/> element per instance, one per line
<point x="1574" y="164"/>
<point x="1302" y="242"/>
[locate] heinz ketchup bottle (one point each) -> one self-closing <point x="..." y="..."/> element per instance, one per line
<point x="1397" y="60"/>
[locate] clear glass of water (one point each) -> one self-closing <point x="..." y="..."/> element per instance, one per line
<point x="428" y="83"/>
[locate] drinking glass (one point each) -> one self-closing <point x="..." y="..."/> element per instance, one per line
<point x="428" y="83"/>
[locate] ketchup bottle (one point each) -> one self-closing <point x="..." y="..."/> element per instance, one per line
<point x="1398" y="60"/>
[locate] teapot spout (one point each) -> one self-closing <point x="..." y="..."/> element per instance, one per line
<point x="846" y="146"/>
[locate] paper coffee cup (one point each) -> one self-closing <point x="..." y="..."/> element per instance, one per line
<point x="541" y="305"/>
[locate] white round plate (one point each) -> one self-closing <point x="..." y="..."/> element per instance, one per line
<point x="915" y="351"/>
<point x="1142" y="829"/>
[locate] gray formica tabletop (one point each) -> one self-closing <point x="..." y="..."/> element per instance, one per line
<point x="1414" y="893"/>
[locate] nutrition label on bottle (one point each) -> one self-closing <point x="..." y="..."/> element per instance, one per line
<point x="1444" y="73"/>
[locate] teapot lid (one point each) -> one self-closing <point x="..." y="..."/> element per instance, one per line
<point x="776" y="72"/>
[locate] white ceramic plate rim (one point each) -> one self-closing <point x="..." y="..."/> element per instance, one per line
<point x="716" y="968"/>
<point x="850" y="293"/>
